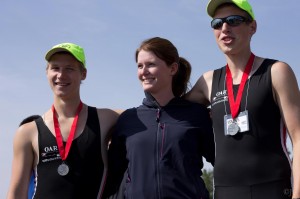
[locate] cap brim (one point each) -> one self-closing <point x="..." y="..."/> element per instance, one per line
<point x="53" y="51"/>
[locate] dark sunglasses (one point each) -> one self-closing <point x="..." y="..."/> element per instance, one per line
<point x="233" y="20"/>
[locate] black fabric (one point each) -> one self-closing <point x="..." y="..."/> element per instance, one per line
<point x="163" y="149"/>
<point x="272" y="190"/>
<point x="84" y="160"/>
<point x="255" y="156"/>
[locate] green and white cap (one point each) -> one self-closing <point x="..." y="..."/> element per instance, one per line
<point x="74" y="49"/>
<point x="242" y="4"/>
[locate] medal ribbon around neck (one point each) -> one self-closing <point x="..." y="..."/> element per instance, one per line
<point x="62" y="150"/>
<point x="235" y="104"/>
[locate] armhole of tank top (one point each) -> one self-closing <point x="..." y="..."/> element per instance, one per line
<point x="269" y="63"/>
<point x="216" y="73"/>
<point x="39" y="123"/>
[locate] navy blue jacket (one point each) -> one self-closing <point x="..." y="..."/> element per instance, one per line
<point x="160" y="149"/>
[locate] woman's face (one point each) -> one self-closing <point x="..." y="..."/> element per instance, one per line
<point x="155" y="75"/>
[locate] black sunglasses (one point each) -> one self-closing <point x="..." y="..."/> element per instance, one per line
<point x="233" y="20"/>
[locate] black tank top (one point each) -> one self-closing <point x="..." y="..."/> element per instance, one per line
<point x="84" y="160"/>
<point x="258" y="155"/>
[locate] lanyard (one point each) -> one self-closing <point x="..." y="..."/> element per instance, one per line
<point x="235" y="104"/>
<point x="62" y="150"/>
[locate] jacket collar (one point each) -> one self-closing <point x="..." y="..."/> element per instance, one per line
<point x="150" y="101"/>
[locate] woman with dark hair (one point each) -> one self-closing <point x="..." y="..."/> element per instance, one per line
<point x="157" y="148"/>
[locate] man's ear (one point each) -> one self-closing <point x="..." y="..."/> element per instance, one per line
<point x="84" y="74"/>
<point x="253" y="27"/>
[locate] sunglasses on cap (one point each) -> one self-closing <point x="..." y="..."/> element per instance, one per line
<point x="232" y="20"/>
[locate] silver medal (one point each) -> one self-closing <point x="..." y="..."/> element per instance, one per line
<point x="233" y="129"/>
<point x="63" y="169"/>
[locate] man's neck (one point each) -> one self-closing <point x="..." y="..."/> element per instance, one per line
<point x="237" y="64"/>
<point x="66" y="108"/>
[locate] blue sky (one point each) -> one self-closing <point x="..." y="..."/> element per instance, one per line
<point x="110" y="31"/>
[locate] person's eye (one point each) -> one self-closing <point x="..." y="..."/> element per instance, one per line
<point x="70" y="69"/>
<point x="152" y="64"/>
<point x="55" y="68"/>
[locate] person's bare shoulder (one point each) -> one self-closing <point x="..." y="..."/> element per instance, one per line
<point x="108" y="118"/>
<point x="108" y="115"/>
<point x="283" y="77"/>
<point x="26" y="133"/>
<point x="200" y="92"/>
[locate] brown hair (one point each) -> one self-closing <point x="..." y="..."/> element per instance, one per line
<point x="167" y="52"/>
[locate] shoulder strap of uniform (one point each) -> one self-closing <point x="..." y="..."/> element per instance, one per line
<point x="92" y="119"/>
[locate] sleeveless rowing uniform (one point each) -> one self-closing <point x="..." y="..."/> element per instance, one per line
<point x="84" y="160"/>
<point x="255" y="157"/>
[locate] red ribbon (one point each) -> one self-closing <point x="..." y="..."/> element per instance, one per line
<point x="235" y="104"/>
<point x="62" y="150"/>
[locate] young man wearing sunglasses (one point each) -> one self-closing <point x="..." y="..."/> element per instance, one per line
<point x="254" y="102"/>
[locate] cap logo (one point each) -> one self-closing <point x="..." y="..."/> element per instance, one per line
<point x="65" y="46"/>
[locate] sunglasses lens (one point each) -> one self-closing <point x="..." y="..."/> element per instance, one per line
<point x="234" y="20"/>
<point x="216" y="23"/>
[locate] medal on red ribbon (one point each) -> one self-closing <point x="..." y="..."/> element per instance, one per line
<point x="234" y="104"/>
<point x="63" y="169"/>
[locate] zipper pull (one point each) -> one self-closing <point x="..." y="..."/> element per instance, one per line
<point x="157" y="115"/>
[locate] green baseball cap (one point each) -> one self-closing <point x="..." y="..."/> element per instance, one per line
<point x="242" y="4"/>
<point x="74" y="49"/>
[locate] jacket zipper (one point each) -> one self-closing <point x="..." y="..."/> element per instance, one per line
<point x="158" y="152"/>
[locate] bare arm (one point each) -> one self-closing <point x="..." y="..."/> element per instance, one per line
<point x="107" y="120"/>
<point x="288" y="98"/>
<point x="23" y="161"/>
<point x="201" y="91"/>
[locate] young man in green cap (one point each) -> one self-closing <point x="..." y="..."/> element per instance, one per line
<point x="67" y="146"/>
<point x="254" y="102"/>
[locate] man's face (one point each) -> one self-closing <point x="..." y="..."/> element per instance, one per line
<point x="233" y="39"/>
<point x="64" y="75"/>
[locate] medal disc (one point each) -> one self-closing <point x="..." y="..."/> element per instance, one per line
<point x="233" y="129"/>
<point x="63" y="169"/>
